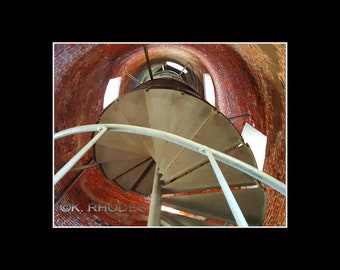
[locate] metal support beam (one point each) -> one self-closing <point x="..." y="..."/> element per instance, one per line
<point x="68" y="166"/>
<point x="239" y="116"/>
<point x="73" y="183"/>
<point x="234" y="207"/>
<point x="183" y="69"/>
<point x="132" y="78"/>
<point x="154" y="218"/>
<point x="82" y="168"/>
<point x="147" y="60"/>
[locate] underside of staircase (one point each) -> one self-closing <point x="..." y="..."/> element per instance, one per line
<point x="188" y="183"/>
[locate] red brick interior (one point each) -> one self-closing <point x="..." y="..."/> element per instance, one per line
<point x="248" y="78"/>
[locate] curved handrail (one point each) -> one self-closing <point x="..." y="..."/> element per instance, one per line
<point x="163" y="135"/>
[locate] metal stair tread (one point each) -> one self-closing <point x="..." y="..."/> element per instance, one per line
<point x="252" y="203"/>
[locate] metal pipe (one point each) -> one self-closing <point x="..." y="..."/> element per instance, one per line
<point x="77" y="130"/>
<point x="183" y="69"/>
<point x="68" y="166"/>
<point x="147" y="60"/>
<point x="234" y="207"/>
<point x="154" y="218"/>
<point x="194" y="146"/>
<point x="71" y="185"/>
<point x="252" y="171"/>
<point x="82" y="168"/>
<point x="239" y="116"/>
<point x="132" y="78"/>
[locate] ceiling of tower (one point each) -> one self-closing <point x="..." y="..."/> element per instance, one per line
<point x="249" y="80"/>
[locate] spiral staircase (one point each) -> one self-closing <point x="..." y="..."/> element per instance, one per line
<point x="188" y="182"/>
<point x="185" y="180"/>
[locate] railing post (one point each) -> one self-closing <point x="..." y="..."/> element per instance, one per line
<point x="68" y="166"/>
<point x="154" y="218"/>
<point x="234" y="207"/>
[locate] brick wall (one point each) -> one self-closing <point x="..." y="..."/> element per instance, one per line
<point x="247" y="79"/>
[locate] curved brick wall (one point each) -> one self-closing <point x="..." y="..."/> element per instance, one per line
<point x="248" y="78"/>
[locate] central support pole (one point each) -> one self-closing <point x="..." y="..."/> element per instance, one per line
<point x="154" y="218"/>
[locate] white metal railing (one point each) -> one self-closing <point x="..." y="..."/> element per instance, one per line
<point x="211" y="153"/>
